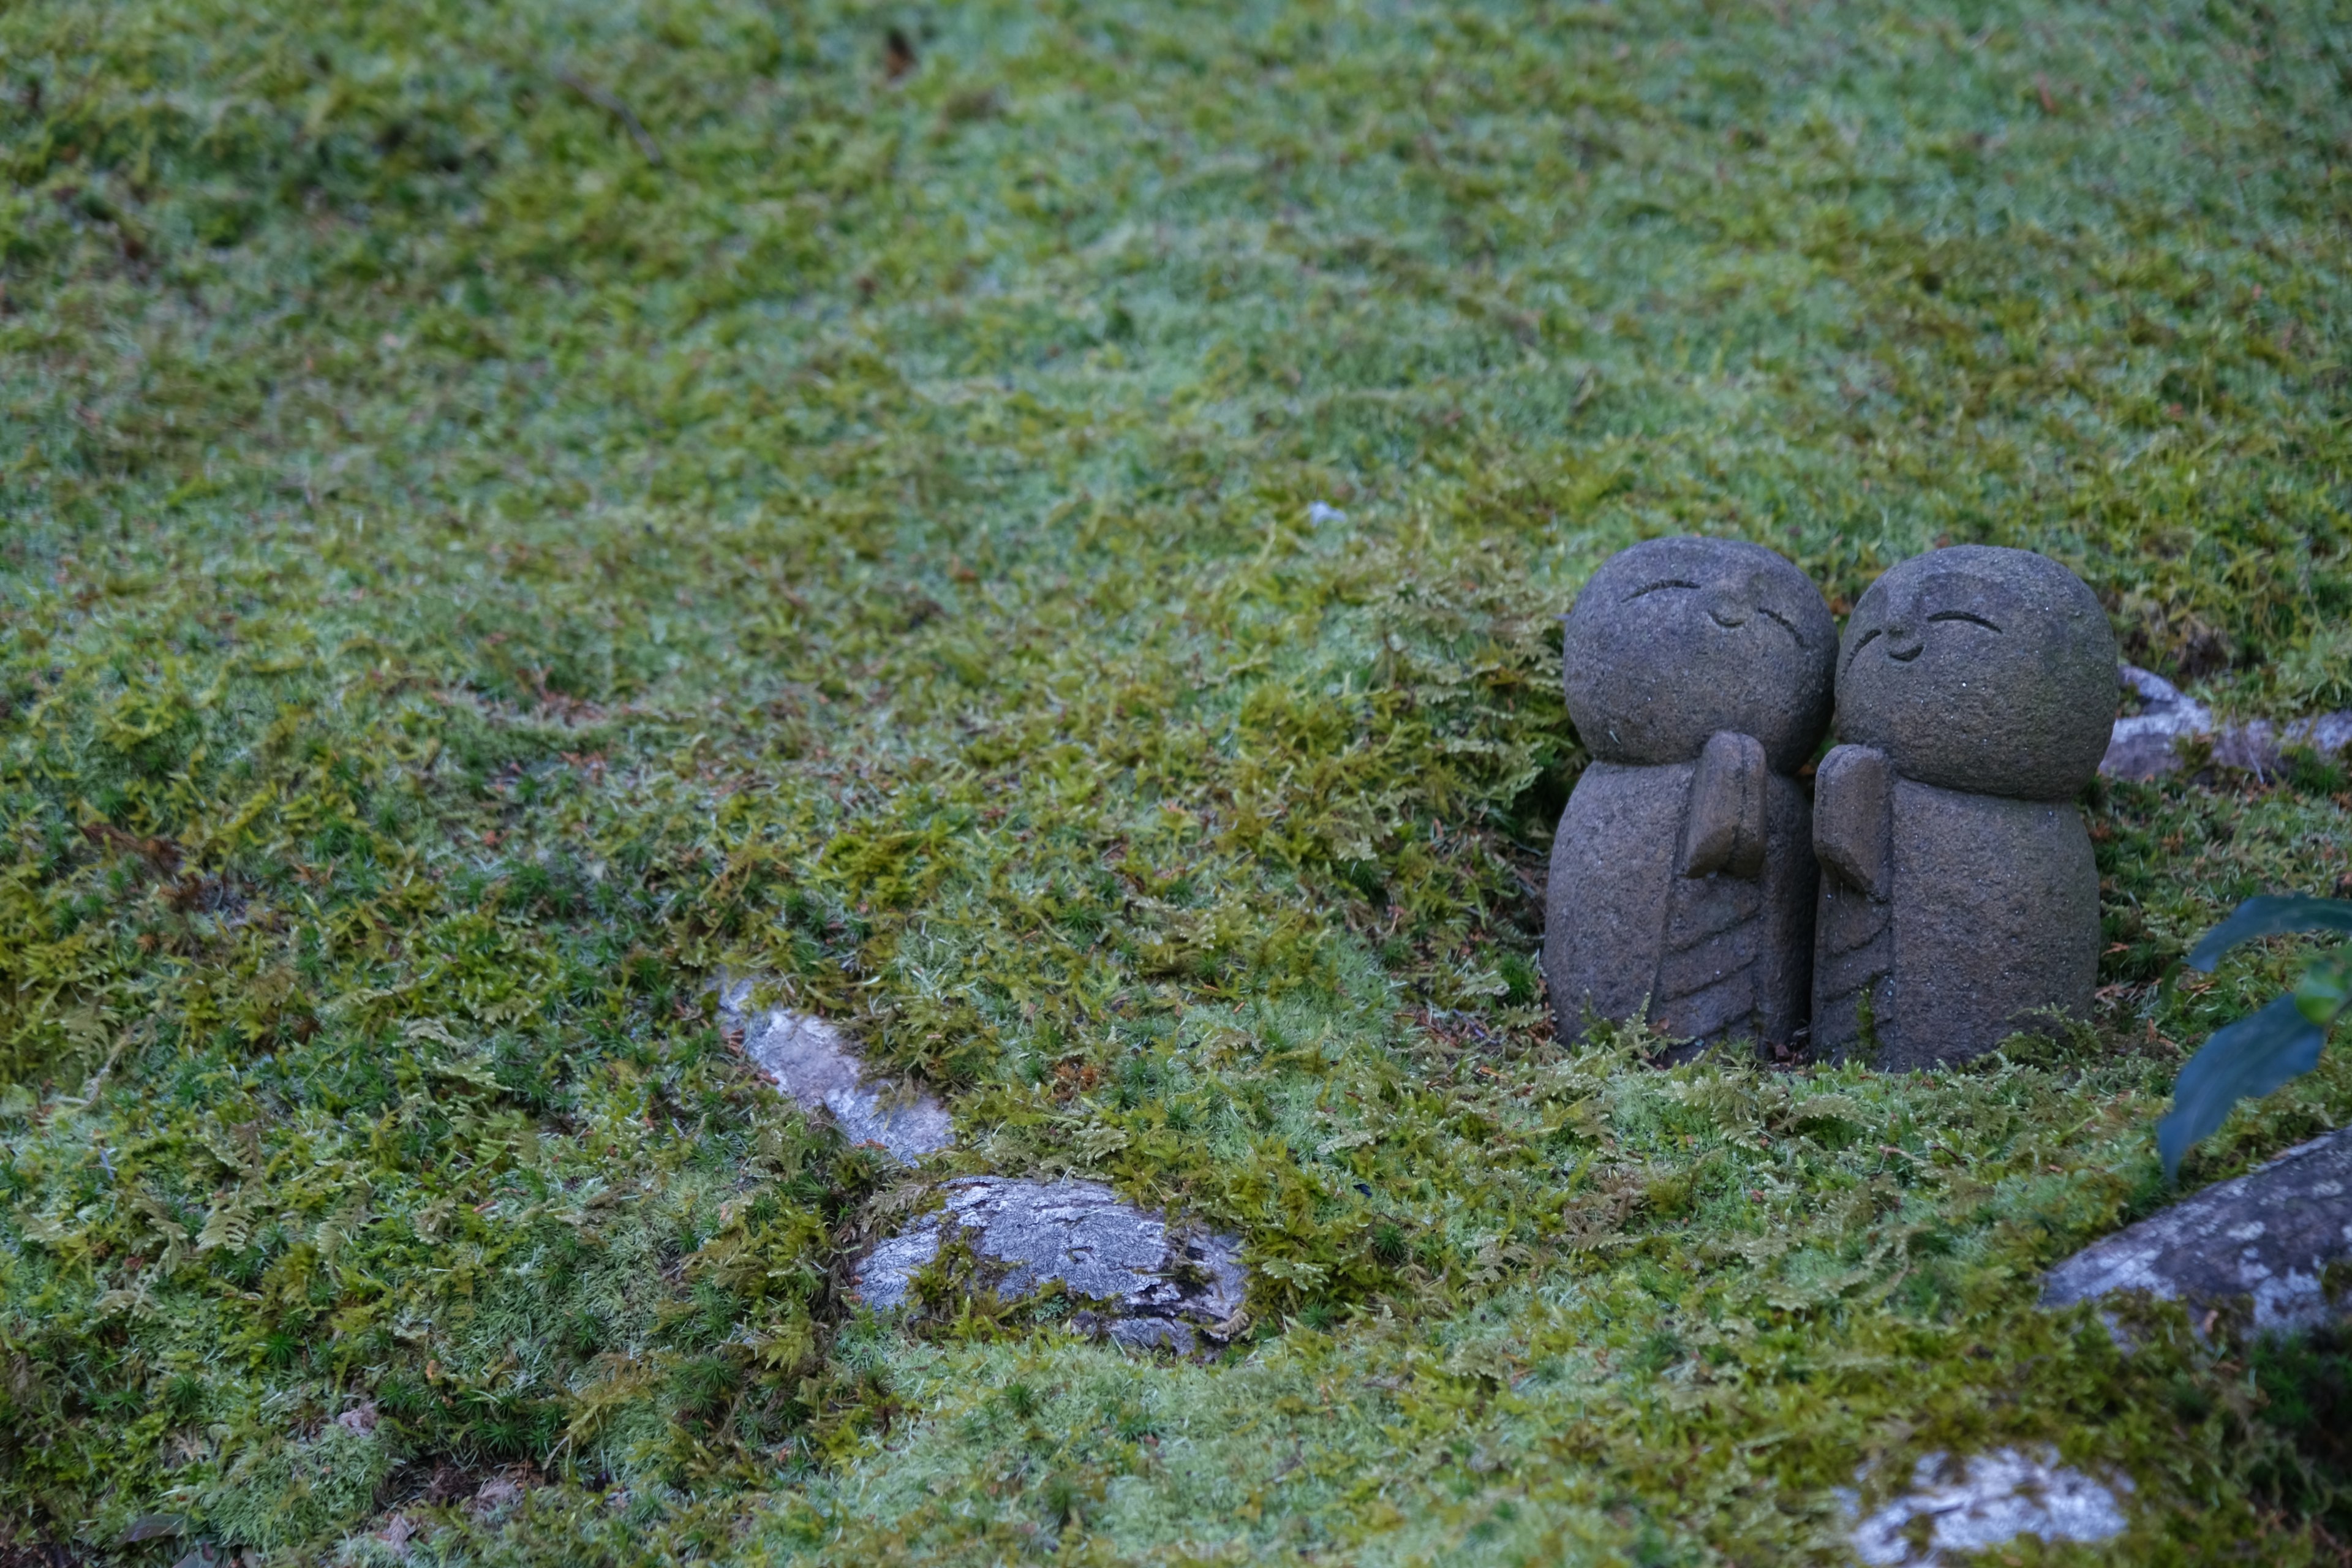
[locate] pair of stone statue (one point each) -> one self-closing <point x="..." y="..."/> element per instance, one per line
<point x="1934" y="893"/>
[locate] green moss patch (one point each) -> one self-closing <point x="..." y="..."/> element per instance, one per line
<point x="1043" y="536"/>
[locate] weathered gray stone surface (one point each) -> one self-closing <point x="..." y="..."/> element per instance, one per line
<point x="1697" y="671"/>
<point x="1675" y="640"/>
<point x="1153" y="1285"/>
<point x="1976" y="694"/>
<point x="1986" y="1502"/>
<point x="2265" y="1240"/>
<point x="1991" y="921"/>
<point x="813" y="1064"/>
<point x="2148" y="743"/>
<point x="1981" y="669"/>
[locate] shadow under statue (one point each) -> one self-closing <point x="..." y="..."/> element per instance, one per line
<point x="1698" y="673"/>
<point x="1959" y="903"/>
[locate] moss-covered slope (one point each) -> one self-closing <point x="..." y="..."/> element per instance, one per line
<point x="1038" y="528"/>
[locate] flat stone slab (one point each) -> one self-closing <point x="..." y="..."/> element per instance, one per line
<point x="812" y="1062"/>
<point x="2268" y="1236"/>
<point x="1152" y="1285"/>
<point x="1988" y="1501"/>
<point x="2147" y="743"/>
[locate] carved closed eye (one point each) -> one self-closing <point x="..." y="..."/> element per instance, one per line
<point x="1667" y="583"/>
<point x="1787" y="624"/>
<point x="1867" y="638"/>
<point x="1974" y="620"/>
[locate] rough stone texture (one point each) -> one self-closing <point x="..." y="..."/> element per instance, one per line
<point x="2148" y="743"/>
<point x="1675" y="640"/>
<point x="1987" y="1503"/>
<point x="1976" y="693"/>
<point x="2263" y="1241"/>
<point x="812" y="1063"/>
<point x="2001" y="924"/>
<point x="1697" y="672"/>
<point x="1981" y="670"/>
<point x="1854" y="796"/>
<point x="1150" y="1287"/>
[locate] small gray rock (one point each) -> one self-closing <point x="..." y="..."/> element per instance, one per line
<point x="813" y="1064"/>
<point x="1161" y="1285"/>
<point x="2266" y="1239"/>
<point x="2147" y="744"/>
<point x="1153" y="1334"/>
<point x="1987" y="1503"/>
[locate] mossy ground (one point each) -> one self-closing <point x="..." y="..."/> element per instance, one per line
<point x="509" y="511"/>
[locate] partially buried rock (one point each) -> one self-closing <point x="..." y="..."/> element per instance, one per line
<point x="1145" y="1283"/>
<point x="2170" y="724"/>
<point x="1984" y="1504"/>
<point x="2144" y="744"/>
<point x="813" y="1064"/>
<point x="2275" y="1243"/>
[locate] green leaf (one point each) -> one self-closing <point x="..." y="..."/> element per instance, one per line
<point x="2249" y="1058"/>
<point x="2326" y="987"/>
<point x="2270" y="916"/>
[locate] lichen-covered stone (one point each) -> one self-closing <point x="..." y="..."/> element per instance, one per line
<point x="2264" y="1243"/>
<point x="810" y="1061"/>
<point x="1960" y="901"/>
<point x="1697" y="672"/>
<point x="1148" y="1283"/>
<point x="1986" y="1502"/>
<point x="2150" y="742"/>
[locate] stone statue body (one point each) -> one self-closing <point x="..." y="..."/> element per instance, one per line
<point x="1959" y="903"/>
<point x="1698" y="672"/>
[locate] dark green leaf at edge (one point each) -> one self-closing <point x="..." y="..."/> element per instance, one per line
<point x="2246" y="1060"/>
<point x="2270" y="915"/>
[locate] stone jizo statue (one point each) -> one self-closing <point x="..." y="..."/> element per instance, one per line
<point x="1698" y="672"/>
<point x="1959" y="903"/>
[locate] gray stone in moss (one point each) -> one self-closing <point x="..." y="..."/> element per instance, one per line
<point x="2151" y="741"/>
<point x="2264" y="1242"/>
<point x="812" y="1062"/>
<point x="1982" y="1504"/>
<point x="1153" y="1285"/>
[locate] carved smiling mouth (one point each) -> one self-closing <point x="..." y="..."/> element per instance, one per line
<point x="1907" y="634"/>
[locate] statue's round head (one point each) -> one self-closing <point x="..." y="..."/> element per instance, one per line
<point x="1677" y="638"/>
<point x="1983" y="670"/>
